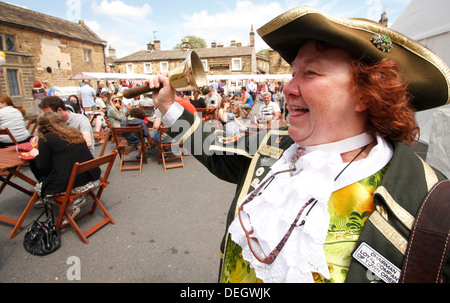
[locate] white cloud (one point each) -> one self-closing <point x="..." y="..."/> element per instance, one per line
<point x="94" y="26"/>
<point x="119" y="10"/>
<point x="232" y="24"/>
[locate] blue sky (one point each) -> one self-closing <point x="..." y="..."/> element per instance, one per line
<point x="128" y="25"/>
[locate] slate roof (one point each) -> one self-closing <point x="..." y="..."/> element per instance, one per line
<point x="203" y="53"/>
<point x="23" y="18"/>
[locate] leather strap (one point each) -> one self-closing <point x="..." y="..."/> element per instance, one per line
<point x="428" y="246"/>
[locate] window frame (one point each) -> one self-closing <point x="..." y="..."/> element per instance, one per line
<point x="129" y="68"/>
<point x="233" y="65"/>
<point x="14" y="88"/>
<point x="161" y="69"/>
<point x="148" y="70"/>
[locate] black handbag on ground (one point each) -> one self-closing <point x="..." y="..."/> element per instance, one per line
<point x="42" y="238"/>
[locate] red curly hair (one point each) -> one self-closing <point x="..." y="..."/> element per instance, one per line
<point x="382" y="89"/>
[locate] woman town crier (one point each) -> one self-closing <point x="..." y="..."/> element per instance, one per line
<point x="341" y="182"/>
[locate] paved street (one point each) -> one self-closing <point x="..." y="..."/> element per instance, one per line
<point x="169" y="226"/>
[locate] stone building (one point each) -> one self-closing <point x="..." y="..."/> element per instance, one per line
<point x="41" y="47"/>
<point x="217" y="60"/>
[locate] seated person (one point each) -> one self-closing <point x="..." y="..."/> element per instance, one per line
<point x="146" y="100"/>
<point x="229" y="117"/>
<point x="270" y="110"/>
<point x="212" y="100"/>
<point x="79" y="121"/>
<point x="59" y="147"/>
<point x="247" y="100"/>
<point x="197" y="101"/>
<point x="135" y="118"/>
<point x="116" y="110"/>
<point x="72" y="104"/>
<point x="11" y="117"/>
<point x="156" y="126"/>
<point x="100" y="123"/>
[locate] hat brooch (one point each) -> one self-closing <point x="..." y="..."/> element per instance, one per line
<point x="382" y="42"/>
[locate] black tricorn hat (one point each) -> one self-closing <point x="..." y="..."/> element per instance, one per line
<point x="426" y="74"/>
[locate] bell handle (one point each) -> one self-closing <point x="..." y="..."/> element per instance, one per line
<point x="139" y="90"/>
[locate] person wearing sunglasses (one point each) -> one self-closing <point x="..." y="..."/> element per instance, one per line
<point x="116" y="113"/>
<point x="335" y="195"/>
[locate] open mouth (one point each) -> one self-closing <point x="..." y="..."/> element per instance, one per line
<point x="298" y="111"/>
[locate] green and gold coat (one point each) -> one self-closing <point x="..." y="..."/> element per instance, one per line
<point x="246" y="160"/>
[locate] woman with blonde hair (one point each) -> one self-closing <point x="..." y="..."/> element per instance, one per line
<point x="12" y="118"/>
<point x="49" y="89"/>
<point x="116" y="111"/>
<point x="59" y="147"/>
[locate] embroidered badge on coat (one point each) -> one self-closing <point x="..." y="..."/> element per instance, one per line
<point x="270" y="151"/>
<point x="377" y="264"/>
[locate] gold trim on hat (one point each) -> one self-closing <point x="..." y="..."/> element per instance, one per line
<point x="367" y="26"/>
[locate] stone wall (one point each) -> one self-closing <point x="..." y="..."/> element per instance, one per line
<point x="46" y="57"/>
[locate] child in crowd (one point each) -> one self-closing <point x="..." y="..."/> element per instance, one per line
<point x="135" y="118"/>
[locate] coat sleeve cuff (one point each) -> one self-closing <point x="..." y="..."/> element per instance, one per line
<point x="172" y="115"/>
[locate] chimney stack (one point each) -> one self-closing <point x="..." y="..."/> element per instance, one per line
<point x="150" y="46"/>
<point x="384" y="20"/>
<point x="186" y="45"/>
<point x="112" y="52"/>
<point x="157" y="45"/>
<point x="252" y="37"/>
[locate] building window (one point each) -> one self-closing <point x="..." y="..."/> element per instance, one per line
<point x="130" y="68"/>
<point x="236" y="64"/>
<point x="205" y="65"/>
<point x="13" y="82"/>
<point x="87" y="54"/>
<point x="7" y="43"/>
<point x="164" y="67"/>
<point x="10" y="43"/>
<point x="236" y="84"/>
<point x="147" y="68"/>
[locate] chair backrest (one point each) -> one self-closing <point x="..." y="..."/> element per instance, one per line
<point x="5" y="131"/>
<point x="118" y="131"/>
<point x="104" y="135"/>
<point x="162" y="130"/>
<point x="31" y="126"/>
<point x="79" y="168"/>
<point x="149" y="110"/>
<point x="201" y="113"/>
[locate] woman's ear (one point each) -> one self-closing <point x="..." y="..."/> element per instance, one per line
<point x="361" y="106"/>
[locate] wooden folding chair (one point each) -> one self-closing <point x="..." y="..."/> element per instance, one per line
<point x="110" y="128"/>
<point x="149" y="110"/>
<point x="5" y="131"/>
<point x="201" y="113"/>
<point x="104" y="135"/>
<point x="166" y="151"/>
<point x="66" y="200"/>
<point x="31" y="126"/>
<point x="248" y="111"/>
<point x="124" y="148"/>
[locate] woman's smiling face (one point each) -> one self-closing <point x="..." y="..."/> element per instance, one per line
<point x="321" y="99"/>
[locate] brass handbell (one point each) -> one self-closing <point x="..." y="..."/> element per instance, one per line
<point x="189" y="75"/>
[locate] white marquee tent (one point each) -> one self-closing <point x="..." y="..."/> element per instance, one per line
<point x="428" y="22"/>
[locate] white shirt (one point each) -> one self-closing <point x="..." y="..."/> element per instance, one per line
<point x="12" y="119"/>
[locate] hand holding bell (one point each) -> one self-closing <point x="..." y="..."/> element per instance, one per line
<point x="187" y="76"/>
